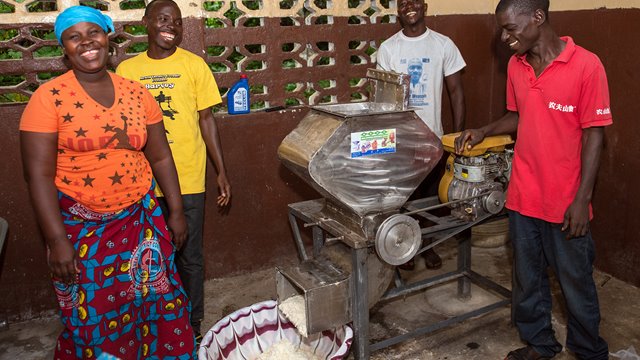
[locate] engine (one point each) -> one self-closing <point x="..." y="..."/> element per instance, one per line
<point x="475" y="182"/>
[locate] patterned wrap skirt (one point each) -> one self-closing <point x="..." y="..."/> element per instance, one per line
<point x="128" y="300"/>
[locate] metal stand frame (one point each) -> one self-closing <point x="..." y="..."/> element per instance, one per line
<point x="310" y="212"/>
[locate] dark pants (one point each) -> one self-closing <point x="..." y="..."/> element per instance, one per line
<point x="189" y="259"/>
<point x="538" y="244"/>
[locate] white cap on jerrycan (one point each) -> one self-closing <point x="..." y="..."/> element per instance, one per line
<point x="238" y="97"/>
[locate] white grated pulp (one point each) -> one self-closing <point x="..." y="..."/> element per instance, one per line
<point x="286" y="350"/>
<point x="294" y="309"/>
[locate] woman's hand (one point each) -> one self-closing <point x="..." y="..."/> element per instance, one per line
<point x="177" y="228"/>
<point x="159" y="155"/>
<point x="62" y="261"/>
<point x="39" y="158"/>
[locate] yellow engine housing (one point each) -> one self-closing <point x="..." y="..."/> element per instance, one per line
<point x="489" y="144"/>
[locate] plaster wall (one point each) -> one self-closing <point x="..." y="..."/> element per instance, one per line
<point x="255" y="233"/>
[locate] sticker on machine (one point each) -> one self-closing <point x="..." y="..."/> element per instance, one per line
<point x="365" y="143"/>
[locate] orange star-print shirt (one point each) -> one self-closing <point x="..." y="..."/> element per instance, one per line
<point x="100" y="160"/>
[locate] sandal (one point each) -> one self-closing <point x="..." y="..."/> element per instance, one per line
<point x="408" y="266"/>
<point x="525" y="353"/>
<point x="432" y="260"/>
<point x="198" y="337"/>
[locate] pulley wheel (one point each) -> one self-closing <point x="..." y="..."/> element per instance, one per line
<point x="494" y="202"/>
<point x="398" y="239"/>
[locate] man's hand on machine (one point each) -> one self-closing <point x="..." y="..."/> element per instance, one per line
<point x="468" y="139"/>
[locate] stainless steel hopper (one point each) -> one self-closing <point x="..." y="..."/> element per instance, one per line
<point x="364" y="161"/>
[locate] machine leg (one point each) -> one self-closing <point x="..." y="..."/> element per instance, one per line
<point x="360" y="303"/>
<point x="296" y="235"/>
<point x="397" y="279"/>
<point x="464" y="265"/>
<point x="318" y="240"/>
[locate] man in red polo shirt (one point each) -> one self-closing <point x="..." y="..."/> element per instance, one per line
<point x="558" y="102"/>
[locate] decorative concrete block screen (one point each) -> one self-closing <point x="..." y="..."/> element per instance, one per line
<point x="294" y="52"/>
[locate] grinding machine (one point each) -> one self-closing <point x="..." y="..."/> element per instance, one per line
<point x="366" y="159"/>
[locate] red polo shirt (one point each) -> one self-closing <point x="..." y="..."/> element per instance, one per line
<point x="569" y="95"/>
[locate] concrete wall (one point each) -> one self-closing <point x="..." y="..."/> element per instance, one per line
<point x="255" y="234"/>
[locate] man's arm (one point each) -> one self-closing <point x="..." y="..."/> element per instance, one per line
<point x="576" y="218"/>
<point x="209" y="131"/>
<point x="456" y="96"/>
<point x="507" y="124"/>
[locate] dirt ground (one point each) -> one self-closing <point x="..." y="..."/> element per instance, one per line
<point x="486" y="337"/>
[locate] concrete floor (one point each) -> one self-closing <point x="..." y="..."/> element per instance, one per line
<point x="489" y="336"/>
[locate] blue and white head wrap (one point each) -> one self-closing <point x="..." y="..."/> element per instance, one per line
<point x="77" y="14"/>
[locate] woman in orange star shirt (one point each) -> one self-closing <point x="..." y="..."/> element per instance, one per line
<point x="91" y="144"/>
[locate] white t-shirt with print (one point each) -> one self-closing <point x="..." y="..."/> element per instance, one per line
<point x="428" y="59"/>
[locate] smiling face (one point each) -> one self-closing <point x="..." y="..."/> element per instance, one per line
<point x="520" y="31"/>
<point x="164" y="26"/>
<point x="411" y="12"/>
<point x="86" y="46"/>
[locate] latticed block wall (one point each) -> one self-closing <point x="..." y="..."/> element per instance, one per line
<point x="294" y="52"/>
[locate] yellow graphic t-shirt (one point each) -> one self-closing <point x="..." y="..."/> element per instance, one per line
<point x="181" y="84"/>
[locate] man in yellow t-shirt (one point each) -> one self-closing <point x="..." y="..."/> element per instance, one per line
<point x="184" y="88"/>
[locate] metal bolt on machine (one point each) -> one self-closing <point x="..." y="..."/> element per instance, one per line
<point x="366" y="159"/>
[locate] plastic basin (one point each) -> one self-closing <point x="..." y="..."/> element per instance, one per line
<point x="248" y="332"/>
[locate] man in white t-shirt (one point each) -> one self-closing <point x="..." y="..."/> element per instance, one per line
<point x="431" y="60"/>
